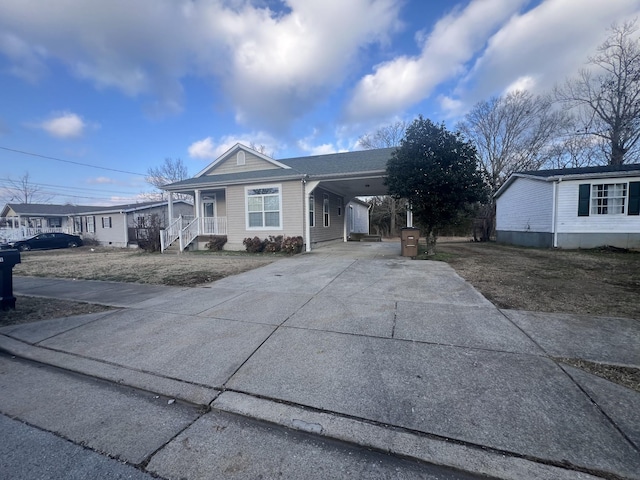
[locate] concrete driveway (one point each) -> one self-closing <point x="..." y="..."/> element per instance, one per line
<point x="354" y="343"/>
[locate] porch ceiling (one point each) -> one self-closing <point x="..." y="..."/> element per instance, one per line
<point x="356" y="187"/>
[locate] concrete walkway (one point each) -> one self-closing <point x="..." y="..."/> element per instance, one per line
<point x="350" y="342"/>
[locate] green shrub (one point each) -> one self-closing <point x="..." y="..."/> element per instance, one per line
<point x="216" y="242"/>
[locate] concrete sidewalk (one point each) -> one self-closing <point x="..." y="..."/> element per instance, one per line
<point x="356" y="344"/>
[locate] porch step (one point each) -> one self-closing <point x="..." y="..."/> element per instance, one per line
<point x="173" y="248"/>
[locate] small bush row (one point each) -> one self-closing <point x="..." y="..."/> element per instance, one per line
<point x="279" y="243"/>
<point x="216" y="243"/>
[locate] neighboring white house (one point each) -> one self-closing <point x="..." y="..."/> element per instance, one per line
<point x="113" y="225"/>
<point x="244" y="194"/>
<point x="571" y="208"/>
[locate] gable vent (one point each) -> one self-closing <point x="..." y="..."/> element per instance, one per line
<point x="240" y="159"/>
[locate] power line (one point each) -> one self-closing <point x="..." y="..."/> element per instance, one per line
<point x="10" y="184"/>
<point x="70" y="161"/>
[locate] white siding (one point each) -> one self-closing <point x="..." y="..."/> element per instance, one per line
<point x="526" y="206"/>
<point x="114" y="236"/>
<point x="569" y="222"/>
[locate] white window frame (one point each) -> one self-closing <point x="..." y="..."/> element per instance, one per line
<point x="246" y="206"/>
<point x="601" y="203"/>
<point x="106" y="222"/>
<point x="91" y="224"/>
<point x="326" y="210"/>
<point x="312" y="210"/>
<point x="241" y="158"/>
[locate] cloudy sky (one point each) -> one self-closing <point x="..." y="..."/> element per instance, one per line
<point x="95" y="92"/>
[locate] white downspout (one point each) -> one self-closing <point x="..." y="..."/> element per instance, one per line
<point x="554" y="218"/>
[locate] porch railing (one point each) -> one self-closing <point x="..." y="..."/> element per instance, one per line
<point x="170" y="234"/>
<point x="187" y="228"/>
<point x="8" y="234"/>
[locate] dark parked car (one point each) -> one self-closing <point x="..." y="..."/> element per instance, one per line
<point x="47" y="240"/>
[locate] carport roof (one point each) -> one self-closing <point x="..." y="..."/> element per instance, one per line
<point x="362" y="163"/>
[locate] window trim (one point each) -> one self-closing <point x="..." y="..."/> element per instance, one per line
<point x="91" y="224"/>
<point x="106" y="222"/>
<point x="600" y="198"/>
<point x="312" y="210"/>
<point x="241" y="159"/>
<point x="246" y="207"/>
<point x="326" y="210"/>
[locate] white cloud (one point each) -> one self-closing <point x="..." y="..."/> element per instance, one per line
<point x="101" y="181"/>
<point x="404" y="81"/>
<point x="207" y="149"/>
<point x="27" y="61"/>
<point x="526" y="82"/>
<point x="273" y="65"/>
<point x="322" y="149"/>
<point x="541" y="47"/>
<point x="65" y="125"/>
<point x="204" y="149"/>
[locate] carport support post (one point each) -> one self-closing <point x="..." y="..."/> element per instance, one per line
<point x="307" y="190"/>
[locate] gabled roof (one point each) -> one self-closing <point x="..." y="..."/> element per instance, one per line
<point x="551" y="175"/>
<point x="234" y="149"/>
<point x="53" y="210"/>
<point x="319" y="167"/>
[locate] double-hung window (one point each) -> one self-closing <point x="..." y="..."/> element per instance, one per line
<point x="609" y="199"/>
<point x="312" y="210"/>
<point x="263" y="206"/>
<point x="326" y="212"/>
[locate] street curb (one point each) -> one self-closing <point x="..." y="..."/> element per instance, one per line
<point x="393" y="441"/>
<point x="188" y="392"/>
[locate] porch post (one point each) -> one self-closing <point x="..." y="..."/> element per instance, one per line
<point x="170" y="208"/>
<point x="126" y="229"/>
<point x="198" y="208"/>
<point x="307" y="189"/>
<point x="307" y="225"/>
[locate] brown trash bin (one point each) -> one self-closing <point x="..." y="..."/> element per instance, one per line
<point x="409" y="237"/>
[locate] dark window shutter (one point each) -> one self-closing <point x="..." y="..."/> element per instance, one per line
<point x="583" y="200"/>
<point x="634" y="198"/>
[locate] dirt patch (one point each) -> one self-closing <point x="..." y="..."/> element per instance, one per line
<point x="32" y="309"/>
<point x="627" y="376"/>
<point x="596" y="282"/>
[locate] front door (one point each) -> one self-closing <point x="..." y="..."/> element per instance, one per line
<point x="209" y="214"/>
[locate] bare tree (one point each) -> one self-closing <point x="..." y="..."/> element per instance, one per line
<point x="172" y="170"/>
<point x="512" y="132"/>
<point x="260" y="149"/>
<point x="384" y="210"/>
<point x="24" y="191"/>
<point x="388" y="136"/>
<point x="606" y="94"/>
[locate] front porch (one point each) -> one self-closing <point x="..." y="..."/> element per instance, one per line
<point x="186" y="229"/>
